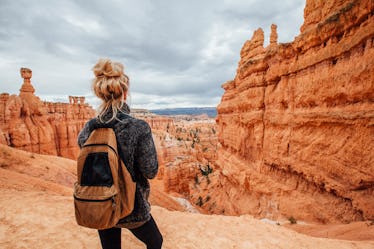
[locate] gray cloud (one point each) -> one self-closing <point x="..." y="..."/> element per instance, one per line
<point x="177" y="53"/>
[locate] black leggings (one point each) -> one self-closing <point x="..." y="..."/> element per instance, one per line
<point x="147" y="233"/>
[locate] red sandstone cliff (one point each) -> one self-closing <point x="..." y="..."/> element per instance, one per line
<point x="296" y="124"/>
<point x="30" y="124"/>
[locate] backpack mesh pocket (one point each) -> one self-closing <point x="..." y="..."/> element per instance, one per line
<point x="96" y="170"/>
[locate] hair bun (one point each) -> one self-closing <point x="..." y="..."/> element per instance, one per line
<point x="105" y="67"/>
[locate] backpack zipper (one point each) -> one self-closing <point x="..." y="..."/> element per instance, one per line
<point x="88" y="200"/>
<point x="108" y="145"/>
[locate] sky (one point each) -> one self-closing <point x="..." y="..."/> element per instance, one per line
<point x="176" y="53"/>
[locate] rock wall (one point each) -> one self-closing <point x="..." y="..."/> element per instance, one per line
<point x="30" y="124"/>
<point x="296" y="125"/>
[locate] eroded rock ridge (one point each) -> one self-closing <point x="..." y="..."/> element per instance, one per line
<point x="296" y="124"/>
<point x="33" y="125"/>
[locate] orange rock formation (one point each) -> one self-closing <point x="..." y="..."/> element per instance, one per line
<point x="30" y="124"/>
<point x="190" y="148"/>
<point x="296" y="124"/>
<point x="186" y="147"/>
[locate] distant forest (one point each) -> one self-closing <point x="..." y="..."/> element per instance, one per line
<point x="210" y="111"/>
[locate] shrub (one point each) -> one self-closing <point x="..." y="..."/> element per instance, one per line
<point x="196" y="179"/>
<point x="292" y="220"/>
<point x="206" y="171"/>
<point x="199" y="201"/>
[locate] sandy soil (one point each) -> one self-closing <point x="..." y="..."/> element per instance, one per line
<point x="36" y="211"/>
<point x="354" y="231"/>
<point x="37" y="219"/>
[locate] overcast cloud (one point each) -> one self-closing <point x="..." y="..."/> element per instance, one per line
<point x="176" y="53"/>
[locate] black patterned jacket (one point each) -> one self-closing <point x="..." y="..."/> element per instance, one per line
<point x="137" y="150"/>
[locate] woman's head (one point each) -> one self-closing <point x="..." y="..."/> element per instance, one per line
<point x="111" y="85"/>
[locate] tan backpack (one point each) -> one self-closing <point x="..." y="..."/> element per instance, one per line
<point x="105" y="191"/>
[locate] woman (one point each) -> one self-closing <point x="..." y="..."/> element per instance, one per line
<point x="136" y="149"/>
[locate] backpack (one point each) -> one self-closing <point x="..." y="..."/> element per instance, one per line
<point x="105" y="191"/>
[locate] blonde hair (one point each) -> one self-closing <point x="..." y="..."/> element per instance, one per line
<point x="110" y="85"/>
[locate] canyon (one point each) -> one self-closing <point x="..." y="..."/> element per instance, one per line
<point x="186" y="149"/>
<point x="296" y="124"/>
